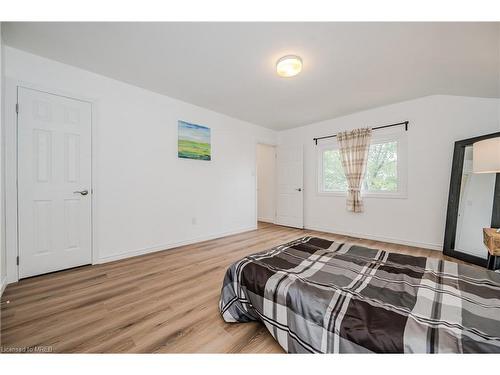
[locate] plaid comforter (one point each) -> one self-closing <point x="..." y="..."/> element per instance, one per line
<point x="320" y="296"/>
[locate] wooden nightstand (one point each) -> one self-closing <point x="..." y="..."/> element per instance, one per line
<point x="491" y="240"/>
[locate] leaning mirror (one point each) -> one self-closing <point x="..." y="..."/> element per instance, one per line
<point x="473" y="204"/>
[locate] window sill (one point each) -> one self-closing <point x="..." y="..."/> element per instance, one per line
<point x="365" y="195"/>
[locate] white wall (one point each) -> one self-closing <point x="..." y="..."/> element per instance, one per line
<point x="436" y="122"/>
<point x="266" y="183"/>
<point x="3" y="264"/>
<point x="145" y="197"/>
<point x="475" y="208"/>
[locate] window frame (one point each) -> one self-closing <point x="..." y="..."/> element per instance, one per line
<point x="402" y="167"/>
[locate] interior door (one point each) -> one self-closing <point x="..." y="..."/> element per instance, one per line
<point x="290" y="186"/>
<point x="54" y="182"/>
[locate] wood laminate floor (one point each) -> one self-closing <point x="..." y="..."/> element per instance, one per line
<point x="161" y="302"/>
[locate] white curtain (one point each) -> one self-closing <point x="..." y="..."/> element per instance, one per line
<point x="354" y="147"/>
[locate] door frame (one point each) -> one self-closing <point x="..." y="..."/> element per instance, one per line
<point x="274" y="145"/>
<point x="11" y="219"/>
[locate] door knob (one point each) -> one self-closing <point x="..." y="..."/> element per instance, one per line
<point x="299" y="189"/>
<point x="83" y="192"/>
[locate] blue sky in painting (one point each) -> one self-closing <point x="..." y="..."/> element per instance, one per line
<point x="193" y="132"/>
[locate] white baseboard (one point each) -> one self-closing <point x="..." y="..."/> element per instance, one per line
<point x="133" y="253"/>
<point x="425" y="245"/>
<point x="3" y="285"/>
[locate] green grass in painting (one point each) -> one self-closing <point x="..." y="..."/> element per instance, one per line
<point x="194" y="150"/>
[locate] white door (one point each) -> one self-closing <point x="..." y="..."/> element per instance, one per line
<point x="290" y="189"/>
<point x="54" y="182"/>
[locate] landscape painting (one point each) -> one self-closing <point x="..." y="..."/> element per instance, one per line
<point x="193" y="141"/>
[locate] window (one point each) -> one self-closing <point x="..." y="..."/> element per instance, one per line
<point x="384" y="170"/>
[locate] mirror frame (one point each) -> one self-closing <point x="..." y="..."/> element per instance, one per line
<point x="454" y="199"/>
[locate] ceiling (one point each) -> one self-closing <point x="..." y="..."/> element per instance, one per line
<point x="230" y="67"/>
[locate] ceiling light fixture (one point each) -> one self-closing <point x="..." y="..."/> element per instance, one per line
<point x="289" y="66"/>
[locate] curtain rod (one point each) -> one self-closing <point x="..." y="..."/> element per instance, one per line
<point x="405" y="123"/>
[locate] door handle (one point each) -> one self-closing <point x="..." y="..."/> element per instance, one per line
<point x="83" y="192"/>
<point x="299" y="189"/>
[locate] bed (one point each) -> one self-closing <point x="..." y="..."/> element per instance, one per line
<point x="321" y="296"/>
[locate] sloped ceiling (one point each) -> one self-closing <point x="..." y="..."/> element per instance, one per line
<point x="230" y="67"/>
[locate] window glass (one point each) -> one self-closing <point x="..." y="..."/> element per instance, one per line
<point x="381" y="169"/>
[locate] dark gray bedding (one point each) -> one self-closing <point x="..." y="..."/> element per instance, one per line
<point x="319" y="296"/>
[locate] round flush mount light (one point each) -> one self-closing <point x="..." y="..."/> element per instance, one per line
<point x="289" y="66"/>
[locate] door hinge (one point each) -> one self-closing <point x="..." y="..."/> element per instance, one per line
<point x="17" y="260"/>
<point x="17" y="107"/>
